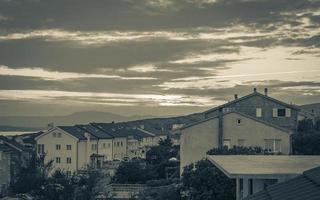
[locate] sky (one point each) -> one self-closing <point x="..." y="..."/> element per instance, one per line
<point x="154" y="57"/>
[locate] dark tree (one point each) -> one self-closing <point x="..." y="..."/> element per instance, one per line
<point x="159" y="158"/>
<point x="134" y="172"/>
<point x="203" y="181"/>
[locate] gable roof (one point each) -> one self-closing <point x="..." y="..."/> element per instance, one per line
<point x="243" y="115"/>
<point x="305" y="186"/>
<point x="12" y="144"/>
<point x="95" y="131"/>
<point x="118" y="130"/>
<point x="76" y="132"/>
<point x="249" y="96"/>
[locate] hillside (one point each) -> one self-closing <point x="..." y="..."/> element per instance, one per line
<point x="312" y="108"/>
<point x="75" y="118"/>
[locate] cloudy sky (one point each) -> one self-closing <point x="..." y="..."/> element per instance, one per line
<point x="154" y="57"/>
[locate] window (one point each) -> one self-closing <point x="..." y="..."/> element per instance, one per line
<point x="58" y="146"/>
<point x="59" y="135"/>
<point x="40" y="148"/>
<point x="69" y="160"/>
<point x="68" y="147"/>
<point x="238" y="121"/>
<point x="93" y="147"/>
<point x="121" y="144"/>
<point x="58" y="160"/>
<point x="281" y="112"/>
<point x="258" y="112"/>
<point x="109" y="145"/>
<point x="54" y="134"/>
<point x="104" y="145"/>
<point x="241" y="142"/>
<point x="118" y="144"/>
<point x="273" y="145"/>
<point x="227" y="143"/>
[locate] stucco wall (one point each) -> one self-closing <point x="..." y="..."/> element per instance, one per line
<point x="197" y="140"/>
<point x="249" y="105"/>
<point x="119" y="151"/>
<point x="107" y="149"/>
<point x="50" y="143"/>
<point x="254" y="133"/>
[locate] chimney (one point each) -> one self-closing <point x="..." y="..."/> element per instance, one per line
<point x="254" y="89"/>
<point x="50" y="126"/>
<point x="266" y="91"/>
<point x="236" y="96"/>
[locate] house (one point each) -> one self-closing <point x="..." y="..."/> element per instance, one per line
<point x="12" y="156"/>
<point x="119" y="138"/>
<point x="69" y="147"/>
<point x="263" y="107"/>
<point x="159" y="134"/>
<point x="238" y="129"/>
<point x="254" y="173"/>
<point x="305" y="186"/>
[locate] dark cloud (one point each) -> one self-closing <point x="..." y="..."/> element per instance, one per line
<point x="173" y="42"/>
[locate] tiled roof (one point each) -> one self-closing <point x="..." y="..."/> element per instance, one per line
<point x="117" y="130"/>
<point x="303" y="187"/>
<point x="95" y="131"/>
<point x="250" y="95"/>
<point x="76" y="132"/>
<point x="12" y="144"/>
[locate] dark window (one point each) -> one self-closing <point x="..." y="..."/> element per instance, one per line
<point x="250" y="186"/>
<point x="281" y="112"/>
<point x="239" y="121"/>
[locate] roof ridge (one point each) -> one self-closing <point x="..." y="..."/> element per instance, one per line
<point x="249" y="95"/>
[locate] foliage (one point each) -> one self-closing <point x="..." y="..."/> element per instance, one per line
<point x="133" y="172"/>
<point x="203" y="181"/>
<point x="158" y="157"/>
<point x="168" y="192"/>
<point x="37" y="179"/>
<point x="237" y="150"/>
<point x="33" y="175"/>
<point x="305" y="125"/>
<point x="307" y="140"/>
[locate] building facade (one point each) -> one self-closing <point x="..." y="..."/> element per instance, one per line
<point x="238" y="129"/>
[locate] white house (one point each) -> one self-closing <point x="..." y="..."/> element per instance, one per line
<point x="69" y="147"/>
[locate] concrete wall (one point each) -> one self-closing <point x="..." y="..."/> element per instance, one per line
<point x="249" y="105"/>
<point x="196" y="140"/>
<point x="50" y="143"/>
<point x="252" y="132"/>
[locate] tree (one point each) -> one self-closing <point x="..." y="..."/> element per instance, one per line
<point x="159" y="157"/>
<point x="134" y="172"/>
<point x="168" y="192"/>
<point x="203" y="181"/>
<point x="32" y="176"/>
